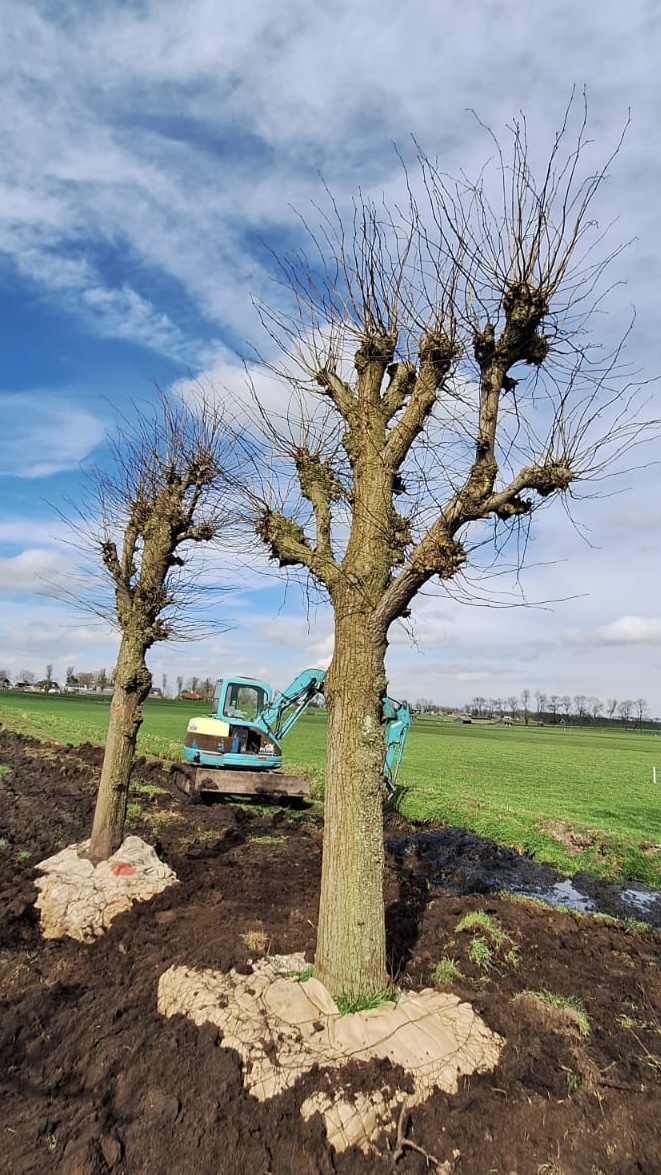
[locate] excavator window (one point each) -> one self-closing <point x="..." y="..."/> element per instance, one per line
<point x="244" y="701"/>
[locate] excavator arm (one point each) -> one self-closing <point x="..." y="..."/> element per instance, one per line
<point x="286" y="707"/>
<point x="396" y="719"/>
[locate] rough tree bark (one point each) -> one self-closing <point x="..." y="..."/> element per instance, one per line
<point x="452" y="326"/>
<point x="132" y="686"/>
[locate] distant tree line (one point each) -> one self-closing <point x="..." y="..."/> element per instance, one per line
<point x="196" y="688"/>
<point x="100" y="679"/>
<point x="552" y="709"/>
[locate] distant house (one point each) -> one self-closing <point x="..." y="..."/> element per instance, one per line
<point x="188" y="696"/>
<point x="5" y="683"/>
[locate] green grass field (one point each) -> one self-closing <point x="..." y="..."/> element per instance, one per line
<point x="528" y="787"/>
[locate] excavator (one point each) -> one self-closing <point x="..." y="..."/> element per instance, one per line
<point x="236" y="750"/>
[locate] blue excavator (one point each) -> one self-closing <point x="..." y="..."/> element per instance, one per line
<point x="236" y="750"/>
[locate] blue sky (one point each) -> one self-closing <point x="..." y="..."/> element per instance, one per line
<point x="151" y="149"/>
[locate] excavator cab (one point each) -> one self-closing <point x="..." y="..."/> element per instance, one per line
<point x="237" y="748"/>
<point x="240" y="700"/>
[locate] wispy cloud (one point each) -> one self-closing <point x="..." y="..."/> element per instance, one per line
<point x="636" y="519"/>
<point x="38" y="532"/>
<point x="42" y="435"/>
<point x="109" y="311"/>
<point x="36" y="570"/>
<point x="627" y="630"/>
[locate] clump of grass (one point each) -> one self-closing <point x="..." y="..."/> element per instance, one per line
<point x="634" y="1022"/>
<point x="629" y="1022"/>
<point x="480" y="953"/>
<point x="148" y="789"/>
<point x="301" y="976"/>
<point x="267" y="840"/>
<point x="512" y="957"/>
<point x="628" y="925"/>
<point x="478" y="920"/>
<point x="160" y="818"/>
<point x="252" y="807"/>
<point x="445" y="972"/>
<point x="346" y="1005"/>
<point x="490" y="944"/>
<point x="256" y="941"/>
<point x="635" y="925"/>
<point x="133" y="814"/>
<point x="554" y="1000"/>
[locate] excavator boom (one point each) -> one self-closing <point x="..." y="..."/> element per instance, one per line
<point x="286" y="707"/>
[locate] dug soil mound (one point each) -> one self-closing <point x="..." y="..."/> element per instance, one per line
<point x="95" y="1081"/>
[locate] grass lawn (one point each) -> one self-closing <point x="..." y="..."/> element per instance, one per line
<point x="523" y="785"/>
<point x="528" y="787"/>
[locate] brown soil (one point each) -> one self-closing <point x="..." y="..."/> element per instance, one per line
<point x="94" y="1081"/>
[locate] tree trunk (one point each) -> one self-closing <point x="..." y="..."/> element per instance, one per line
<point x="132" y="685"/>
<point x="351" y="953"/>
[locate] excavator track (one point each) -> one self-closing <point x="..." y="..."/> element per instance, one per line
<point x="195" y="781"/>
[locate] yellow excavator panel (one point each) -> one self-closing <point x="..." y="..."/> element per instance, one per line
<point x="212" y="726"/>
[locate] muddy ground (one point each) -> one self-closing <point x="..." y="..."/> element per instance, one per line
<point x="94" y="1081"/>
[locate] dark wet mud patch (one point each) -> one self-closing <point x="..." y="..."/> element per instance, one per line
<point x="461" y="862"/>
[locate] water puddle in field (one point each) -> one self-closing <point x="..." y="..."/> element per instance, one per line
<point x="461" y="862"/>
<point x="642" y="900"/>
<point x="564" y="893"/>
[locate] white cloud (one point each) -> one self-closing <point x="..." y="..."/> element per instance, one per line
<point x="646" y="520"/>
<point x="43" y="435"/>
<point x="35" y="570"/>
<point x="258" y="400"/>
<point x="125" y="314"/>
<point x="315" y="641"/>
<point x="627" y="630"/>
<point x="40" y="532"/>
<point x="35" y="632"/>
<point x="115" y="312"/>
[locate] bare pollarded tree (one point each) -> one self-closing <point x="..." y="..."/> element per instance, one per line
<point x="153" y="504"/>
<point x="446" y="385"/>
<point x="641" y="711"/>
